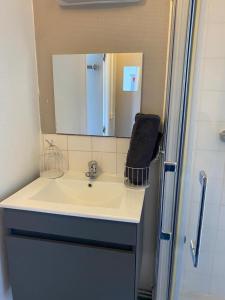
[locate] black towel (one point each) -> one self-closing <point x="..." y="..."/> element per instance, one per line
<point x="143" y="147"/>
<point x="157" y="145"/>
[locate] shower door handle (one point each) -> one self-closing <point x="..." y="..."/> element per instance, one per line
<point x="195" y="245"/>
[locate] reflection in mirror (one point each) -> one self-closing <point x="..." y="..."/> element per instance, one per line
<point x="97" y="94"/>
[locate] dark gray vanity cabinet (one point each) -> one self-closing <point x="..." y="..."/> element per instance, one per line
<point x="54" y="257"/>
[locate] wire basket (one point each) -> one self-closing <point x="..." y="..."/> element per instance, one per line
<point x="52" y="162"/>
<point x="140" y="177"/>
<point x="137" y="177"/>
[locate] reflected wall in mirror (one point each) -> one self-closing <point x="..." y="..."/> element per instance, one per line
<point x="97" y="94"/>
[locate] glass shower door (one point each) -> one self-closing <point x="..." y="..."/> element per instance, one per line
<point x="199" y="260"/>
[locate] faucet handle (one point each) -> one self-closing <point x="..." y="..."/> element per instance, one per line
<point x="92" y="172"/>
<point x="92" y="164"/>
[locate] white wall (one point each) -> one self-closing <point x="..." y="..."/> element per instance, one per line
<point x="19" y="120"/>
<point x="207" y="152"/>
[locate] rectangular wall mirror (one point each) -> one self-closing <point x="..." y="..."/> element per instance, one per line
<point x="97" y="94"/>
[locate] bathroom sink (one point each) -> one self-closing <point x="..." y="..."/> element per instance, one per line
<point x="74" y="195"/>
<point x="82" y="193"/>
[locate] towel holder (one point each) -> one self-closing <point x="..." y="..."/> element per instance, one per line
<point x="139" y="177"/>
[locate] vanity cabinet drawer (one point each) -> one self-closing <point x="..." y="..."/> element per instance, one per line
<point x="120" y="233"/>
<point x="42" y="269"/>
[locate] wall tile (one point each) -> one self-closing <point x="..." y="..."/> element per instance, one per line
<point x="208" y="136"/>
<point x="219" y="266"/>
<point x="214" y="74"/>
<point x="59" y="140"/>
<point x="215" y="41"/>
<point x="211" y="217"/>
<point x="78" y="160"/>
<point x="197" y="296"/>
<point x="216" y="11"/>
<point x="65" y="160"/>
<point x="219" y="246"/>
<point x="104" y="144"/>
<point x="196" y="283"/>
<point x="222" y="218"/>
<point x="208" y="238"/>
<point x="122" y="145"/>
<point x="79" y="143"/>
<point x="217" y="287"/>
<point x="223" y="192"/>
<point x="212" y="162"/>
<point x="82" y="149"/>
<point x="106" y="161"/>
<point x="210" y="107"/>
<point x="120" y="163"/>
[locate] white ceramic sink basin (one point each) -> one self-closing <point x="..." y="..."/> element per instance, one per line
<point x="108" y="198"/>
<point x="82" y="193"/>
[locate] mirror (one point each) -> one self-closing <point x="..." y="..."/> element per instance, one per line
<point x="97" y="94"/>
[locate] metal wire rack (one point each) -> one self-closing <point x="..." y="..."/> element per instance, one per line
<point x="139" y="177"/>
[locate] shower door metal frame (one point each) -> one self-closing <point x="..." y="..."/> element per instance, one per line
<point x="183" y="19"/>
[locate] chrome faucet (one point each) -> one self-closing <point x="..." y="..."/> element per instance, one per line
<point x="92" y="170"/>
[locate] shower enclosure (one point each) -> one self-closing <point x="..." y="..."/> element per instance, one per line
<point x="191" y="263"/>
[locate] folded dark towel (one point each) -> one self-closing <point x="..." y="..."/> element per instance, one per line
<point x="144" y="145"/>
<point x="157" y="145"/>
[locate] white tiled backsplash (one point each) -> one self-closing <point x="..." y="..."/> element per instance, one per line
<point x="110" y="153"/>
